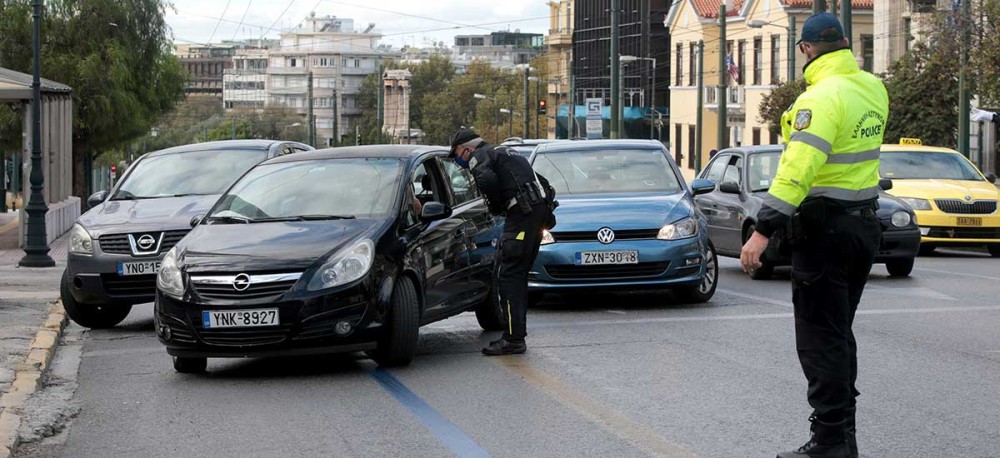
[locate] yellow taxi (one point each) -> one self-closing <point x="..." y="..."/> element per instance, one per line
<point x="955" y="204"/>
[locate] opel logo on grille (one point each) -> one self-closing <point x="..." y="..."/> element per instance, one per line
<point x="146" y="242"/>
<point x="241" y="282"/>
<point x="605" y="235"/>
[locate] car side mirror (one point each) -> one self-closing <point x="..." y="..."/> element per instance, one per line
<point x="96" y="198"/>
<point x="702" y="186"/>
<point x="991" y="177"/>
<point x="730" y="187"/>
<point x="434" y="211"/>
<point x="197" y="220"/>
<point x="885" y="184"/>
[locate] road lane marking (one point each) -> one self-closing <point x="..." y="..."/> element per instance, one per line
<point x="637" y="434"/>
<point x="753" y="297"/>
<point x="960" y="274"/>
<point x="445" y="431"/>
<point x="616" y="312"/>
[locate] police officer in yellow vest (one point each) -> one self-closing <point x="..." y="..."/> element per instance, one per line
<point x="823" y="200"/>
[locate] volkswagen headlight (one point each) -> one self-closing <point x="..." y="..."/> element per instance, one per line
<point x="901" y="219"/>
<point x="169" y="280"/>
<point x="80" y="241"/>
<point x="547" y="237"/>
<point x="348" y="265"/>
<point x="684" y="228"/>
<point x="916" y="204"/>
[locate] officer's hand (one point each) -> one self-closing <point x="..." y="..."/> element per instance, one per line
<point x="754" y="248"/>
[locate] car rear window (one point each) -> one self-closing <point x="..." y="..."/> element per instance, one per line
<point x="188" y="173"/>
<point x="607" y="171"/>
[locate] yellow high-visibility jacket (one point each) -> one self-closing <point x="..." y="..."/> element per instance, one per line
<point x="832" y="136"/>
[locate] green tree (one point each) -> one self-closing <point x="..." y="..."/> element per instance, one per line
<point x="115" y="56"/>
<point x="985" y="53"/>
<point x="773" y="105"/>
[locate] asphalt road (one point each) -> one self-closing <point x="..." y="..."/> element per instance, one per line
<point x="605" y="375"/>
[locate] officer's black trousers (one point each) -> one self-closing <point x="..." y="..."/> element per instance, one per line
<point x="829" y="272"/>
<point x="519" y="244"/>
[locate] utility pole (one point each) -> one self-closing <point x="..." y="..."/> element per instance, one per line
<point x="336" y="136"/>
<point x="538" y="116"/>
<point x="723" y="135"/>
<point x="309" y="110"/>
<point x="615" y="70"/>
<point x="819" y="6"/>
<point x="701" y="106"/>
<point x="233" y="136"/>
<point x="963" y="82"/>
<point x="846" y="18"/>
<point x="36" y="246"/>
<point x="527" y="102"/>
<point x="380" y="108"/>
<point x="571" y="106"/>
<point x="791" y="48"/>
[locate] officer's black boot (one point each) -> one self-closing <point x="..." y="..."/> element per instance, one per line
<point x="829" y="440"/>
<point x="505" y="347"/>
<point x="851" y="430"/>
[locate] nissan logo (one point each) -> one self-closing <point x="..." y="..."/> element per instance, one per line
<point x="605" y="235"/>
<point x="146" y="242"/>
<point x="241" y="282"/>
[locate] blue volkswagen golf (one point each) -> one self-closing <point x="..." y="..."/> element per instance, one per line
<point x="626" y="220"/>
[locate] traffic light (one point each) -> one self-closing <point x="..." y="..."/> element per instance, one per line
<point x="541" y="106"/>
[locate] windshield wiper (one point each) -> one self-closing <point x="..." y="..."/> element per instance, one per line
<point x="185" y="194"/>
<point x="231" y="219"/>
<point x="301" y="218"/>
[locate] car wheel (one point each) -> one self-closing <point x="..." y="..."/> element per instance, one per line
<point x="94" y="316"/>
<point x="399" y="344"/>
<point x="899" y="267"/>
<point x="190" y="365"/>
<point x="994" y="250"/>
<point x="926" y="250"/>
<point x="706" y="289"/>
<point x="488" y="311"/>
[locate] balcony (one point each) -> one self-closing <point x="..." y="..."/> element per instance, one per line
<point x="287" y="70"/>
<point x="559" y="37"/>
<point x="735" y="97"/>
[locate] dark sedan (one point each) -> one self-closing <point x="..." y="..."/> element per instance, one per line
<point x="338" y="250"/>
<point x="744" y="175"/>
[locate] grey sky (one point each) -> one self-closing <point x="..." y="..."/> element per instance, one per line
<point x="401" y="21"/>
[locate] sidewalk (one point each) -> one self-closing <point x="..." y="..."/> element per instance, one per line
<point x="26" y="294"/>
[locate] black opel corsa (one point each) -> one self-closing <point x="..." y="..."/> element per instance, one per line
<point x="337" y="250"/>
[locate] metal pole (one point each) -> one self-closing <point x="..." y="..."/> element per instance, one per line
<point x="963" y="84"/>
<point x="510" y="124"/>
<point x="620" y="114"/>
<point x="571" y="108"/>
<point x="819" y="6"/>
<point x="527" y="104"/>
<point x="3" y="182"/>
<point x="845" y="20"/>
<point x="36" y="247"/>
<point x="721" y="97"/>
<point x="233" y="136"/>
<point x="309" y="110"/>
<point x="615" y="70"/>
<point x="701" y="106"/>
<point x="380" y="108"/>
<point x="538" y="115"/>
<point x="652" y="100"/>
<point x="791" y="48"/>
<point x="336" y="136"/>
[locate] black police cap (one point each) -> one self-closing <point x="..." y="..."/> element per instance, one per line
<point x="461" y="136"/>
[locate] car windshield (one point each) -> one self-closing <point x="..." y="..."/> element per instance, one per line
<point x="903" y="165"/>
<point x="315" y="189"/>
<point x="761" y="170"/>
<point x="607" y="171"/>
<point x="187" y="173"/>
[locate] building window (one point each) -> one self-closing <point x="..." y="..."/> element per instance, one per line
<point x="907" y="37"/>
<point x="679" y="77"/>
<point x="693" y="59"/>
<point x="292" y="62"/>
<point x="867" y="52"/>
<point x="741" y="59"/>
<point x="678" y="130"/>
<point x="776" y="58"/>
<point x="756" y="135"/>
<point x="758" y="64"/>
<point x="691" y="153"/>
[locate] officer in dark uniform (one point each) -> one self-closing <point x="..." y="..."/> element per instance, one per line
<point x="514" y="190"/>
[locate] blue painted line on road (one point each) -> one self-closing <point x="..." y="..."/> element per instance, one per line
<point x="457" y="441"/>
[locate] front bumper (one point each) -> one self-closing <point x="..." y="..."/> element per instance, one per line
<point x="95" y="280"/>
<point x="898" y="244"/>
<point x="943" y="229"/>
<point x="661" y="264"/>
<point x="306" y="325"/>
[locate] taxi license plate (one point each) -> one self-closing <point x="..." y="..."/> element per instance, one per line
<point x="138" y="268"/>
<point x="969" y="221"/>
<point x="588" y="258"/>
<point x="212" y="319"/>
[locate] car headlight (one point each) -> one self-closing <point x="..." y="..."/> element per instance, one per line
<point x="348" y="265"/>
<point x="169" y="280"/>
<point x="684" y="228"/>
<point x="901" y="219"/>
<point x="80" y="241"/>
<point x="916" y="204"/>
<point x="547" y="237"/>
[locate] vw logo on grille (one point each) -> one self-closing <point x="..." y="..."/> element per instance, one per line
<point x="146" y="242"/>
<point x="241" y="282"/>
<point x="605" y="235"/>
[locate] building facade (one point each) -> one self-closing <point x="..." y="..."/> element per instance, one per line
<point x="559" y="42"/>
<point x="760" y="42"/>
<point x="338" y="58"/>
<point x="898" y="24"/>
<point x="245" y="83"/>
<point x="500" y="49"/>
<point x="206" y="65"/>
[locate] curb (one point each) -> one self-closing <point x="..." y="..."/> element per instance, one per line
<point x="29" y="377"/>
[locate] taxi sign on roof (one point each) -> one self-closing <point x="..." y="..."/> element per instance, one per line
<point x="910" y="141"/>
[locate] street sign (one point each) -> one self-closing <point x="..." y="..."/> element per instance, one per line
<point x="595" y="126"/>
